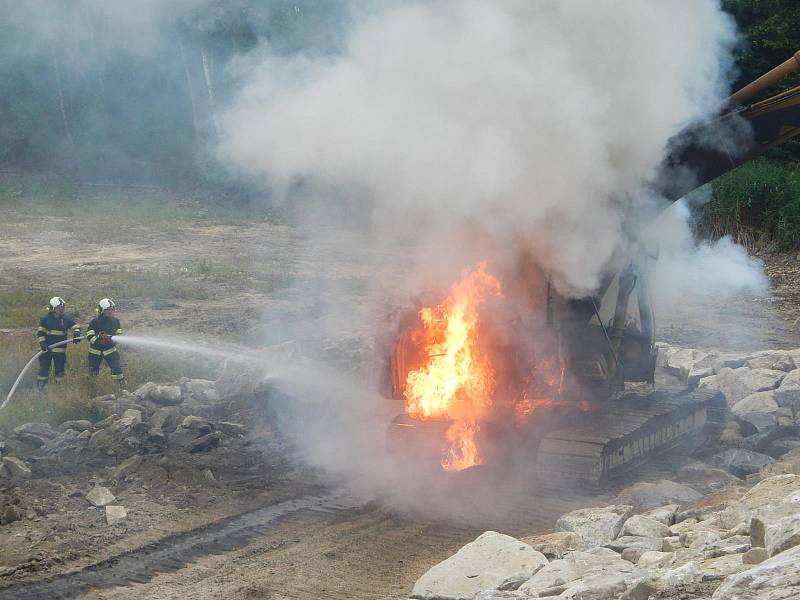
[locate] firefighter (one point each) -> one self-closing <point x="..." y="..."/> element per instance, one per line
<point x="54" y="327"/>
<point x="101" y="344"/>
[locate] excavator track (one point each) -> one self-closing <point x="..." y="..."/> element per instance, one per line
<point x="624" y="433"/>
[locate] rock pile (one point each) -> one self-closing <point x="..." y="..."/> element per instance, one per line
<point x="663" y="539"/>
<point x="742" y="547"/>
<point x="168" y="432"/>
<point x="189" y="416"/>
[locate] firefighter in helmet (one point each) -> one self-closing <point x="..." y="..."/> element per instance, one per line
<point x="53" y="328"/>
<point x="101" y="344"/>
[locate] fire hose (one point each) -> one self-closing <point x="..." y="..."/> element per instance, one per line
<point x="30" y="362"/>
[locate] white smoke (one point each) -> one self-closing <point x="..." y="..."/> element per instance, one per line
<point x="471" y="129"/>
<point x="529" y="118"/>
<point x="686" y="269"/>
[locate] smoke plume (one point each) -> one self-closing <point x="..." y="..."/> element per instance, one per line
<point x="539" y="119"/>
<point x="447" y="132"/>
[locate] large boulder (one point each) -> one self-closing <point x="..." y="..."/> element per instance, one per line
<point x="775" y="579"/>
<point x="680" y="363"/>
<point x="36" y="434"/>
<point x="761" y="421"/>
<point x="595" y="526"/>
<point x="757" y="402"/>
<point x="740" y="462"/>
<point x="771" y="490"/>
<point x="601" y="570"/>
<point x="639" y="525"/>
<point x="16" y="467"/>
<point x="638" y="542"/>
<point x="705" y="477"/>
<point x="788" y="393"/>
<point x="492" y="561"/>
<point x="778" y="360"/>
<point x="78" y="425"/>
<point x="783" y="534"/>
<point x="201" y="390"/>
<point x="663" y="514"/>
<point x="129" y="419"/>
<point x="553" y="545"/>
<point x="780" y="447"/>
<point x="737" y="384"/>
<point x="789" y="464"/>
<point x="652" y="494"/>
<point x="168" y="395"/>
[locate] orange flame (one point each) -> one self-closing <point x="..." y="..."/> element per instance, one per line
<point x="457" y="380"/>
<point x="461" y="452"/>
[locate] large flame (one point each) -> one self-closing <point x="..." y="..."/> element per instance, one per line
<point x="457" y="380"/>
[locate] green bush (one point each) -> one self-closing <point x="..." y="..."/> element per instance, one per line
<point x="757" y="203"/>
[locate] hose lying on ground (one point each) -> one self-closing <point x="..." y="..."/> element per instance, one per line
<point x="28" y="366"/>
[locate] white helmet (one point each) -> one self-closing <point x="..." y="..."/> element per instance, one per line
<point x="104" y="304"/>
<point x="55" y="302"/>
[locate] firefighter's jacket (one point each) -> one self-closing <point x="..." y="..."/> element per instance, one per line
<point x="53" y="329"/>
<point x="102" y="324"/>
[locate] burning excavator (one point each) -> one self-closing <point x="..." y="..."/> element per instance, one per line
<point x="485" y="378"/>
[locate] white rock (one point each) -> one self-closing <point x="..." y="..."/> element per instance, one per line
<point x="130" y="418"/>
<point x="681" y="362"/>
<point x="652" y="494"/>
<point x="492" y="561"/>
<point x="656" y="560"/>
<point x="671" y="544"/>
<point x="775" y="579"/>
<point x="643" y="543"/>
<point x="115" y="514"/>
<point x="788" y="393"/>
<point x="780" y="360"/>
<point x="595" y="526"/>
<point x="640" y="525"/>
<point x="604" y="586"/>
<point x="500" y="595"/>
<point x="755" y="556"/>
<point x="553" y="545"/>
<point x="100" y="496"/>
<point x="698" y="538"/>
<point x="783" y="534"/>
<point x="663" y="514"/>
<point x="685" y="525"/>
<point x="165" y="394"/>
<point x="758" y="402"/>
<point x="576" y="566"/>
<point x="16" y="467"/>
<point x="719" y="568"/>
<point x="737" y="384"/>
<point x="143" y="391"/>
<point x="737" y="544"/>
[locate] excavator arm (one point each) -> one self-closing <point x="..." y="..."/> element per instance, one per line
<point x="740" y="133"/>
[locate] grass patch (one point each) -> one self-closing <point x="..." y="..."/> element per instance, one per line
<point x="73" y="399"/>
<point x="58" y="196"/>
<point x="758" y="204"/>
<point x="24" y="308"/>
<point x="156" y="285"/>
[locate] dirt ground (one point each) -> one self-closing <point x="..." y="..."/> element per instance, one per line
<point x="235" y="281"/>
